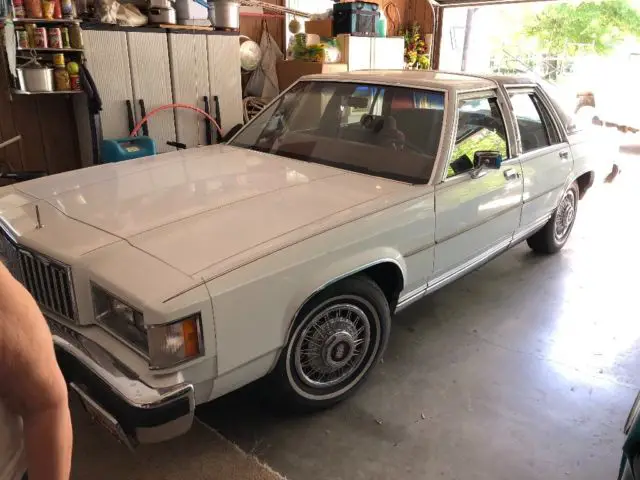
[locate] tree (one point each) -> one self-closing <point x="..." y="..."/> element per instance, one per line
<point x="561" y="27"/>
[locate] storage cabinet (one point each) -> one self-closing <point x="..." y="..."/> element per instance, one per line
<point x="151" y="82"/>
<point x="190" y="84"/>
<point x="387" y="53"/>
<point x="224" y="77"/>
<point x="107" y="56"/>
<point x="161" y="67"/>
<point x="377" y="53"/>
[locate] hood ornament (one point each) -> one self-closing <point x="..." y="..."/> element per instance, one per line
<point x="38" y="222"/>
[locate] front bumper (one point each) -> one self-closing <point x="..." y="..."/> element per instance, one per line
<point x="116" y="397"/>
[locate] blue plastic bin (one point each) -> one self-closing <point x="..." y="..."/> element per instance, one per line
<point x="120" y="149"/>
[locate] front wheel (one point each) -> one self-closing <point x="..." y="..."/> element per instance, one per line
<point x="337" y="339"/>
<point x="554" y="235"/>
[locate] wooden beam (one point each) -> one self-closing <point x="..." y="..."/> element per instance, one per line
<point x="437" y="38"/>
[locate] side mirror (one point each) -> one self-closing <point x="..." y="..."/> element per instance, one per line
<point x="485" y="160"/>
<point x="491" y="160"/>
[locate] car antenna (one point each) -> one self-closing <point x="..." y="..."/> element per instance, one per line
<point x="38" y="222"/>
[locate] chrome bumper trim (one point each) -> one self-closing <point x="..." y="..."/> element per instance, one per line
<point x="126" y="386"/>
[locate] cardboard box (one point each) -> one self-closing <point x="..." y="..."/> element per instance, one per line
<point x="291" y="70"/>
<point x="323" y="28"/>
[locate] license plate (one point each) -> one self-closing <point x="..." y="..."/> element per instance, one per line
<point x="101" y="417"/>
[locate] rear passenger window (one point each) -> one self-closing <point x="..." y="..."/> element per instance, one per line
<point x="534" y="122"/>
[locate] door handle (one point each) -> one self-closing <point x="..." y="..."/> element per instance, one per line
<point x="564" y="155"/>
<point x="511" y="174"/>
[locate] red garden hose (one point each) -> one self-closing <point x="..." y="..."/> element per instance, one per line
<point x="175" y="105"/>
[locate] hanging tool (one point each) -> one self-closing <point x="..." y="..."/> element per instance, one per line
<point x="208" y="134"/>
<point x="143" y="114"/>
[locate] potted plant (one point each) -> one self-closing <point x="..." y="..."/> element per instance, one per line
<point x="416" y="51"/>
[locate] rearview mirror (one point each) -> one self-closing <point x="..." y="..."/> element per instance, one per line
<point x="358" y="102"/>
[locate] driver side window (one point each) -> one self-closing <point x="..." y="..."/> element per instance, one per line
<point x="480" y="128"/>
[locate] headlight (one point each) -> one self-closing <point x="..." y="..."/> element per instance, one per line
<point x="120" y="318"/>
<point x="633" y="414"/>
<point x="176" y="342"/>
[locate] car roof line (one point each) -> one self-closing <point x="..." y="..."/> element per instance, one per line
<point x="472" y="75"/>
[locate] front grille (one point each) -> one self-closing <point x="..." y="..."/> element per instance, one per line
<point x="47" y="280"/>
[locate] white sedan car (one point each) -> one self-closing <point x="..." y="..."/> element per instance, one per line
<point x="169" y="281"/>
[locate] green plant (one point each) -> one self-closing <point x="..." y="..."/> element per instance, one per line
<point x="561" y="28"/>
<point x="416" y="53"/>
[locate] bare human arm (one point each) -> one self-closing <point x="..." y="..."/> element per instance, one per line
<point x="31" y="383"/>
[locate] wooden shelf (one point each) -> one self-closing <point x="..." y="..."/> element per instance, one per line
<point x="46" y="20"/>
<point x="52" y="50"/>
<point x="57" y="92"/>
<point x="204" y="28"/>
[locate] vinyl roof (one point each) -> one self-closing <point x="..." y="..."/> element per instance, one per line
<point x="420" y="79"/>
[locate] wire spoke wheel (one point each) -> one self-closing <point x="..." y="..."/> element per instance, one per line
<point x="332" y="345"/>
<point x="337" y="338"/>
<point x="565" y="215"/>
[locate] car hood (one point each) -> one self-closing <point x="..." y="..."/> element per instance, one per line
<point x="196" y="208"/>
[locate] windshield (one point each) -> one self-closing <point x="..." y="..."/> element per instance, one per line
<point x="391" y="132"/>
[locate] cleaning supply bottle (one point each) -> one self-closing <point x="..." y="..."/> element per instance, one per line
<point x="381" y="25"/>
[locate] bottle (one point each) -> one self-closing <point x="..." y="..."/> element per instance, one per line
<point x="74" y="75"/>
<point x="23" y="38"/>
<point x="18" y="9"/>
<point x="57" y="9"/>
<point x="67" y="8"/>
<point x="381" y="25"/>
<point x="48" y="8"/>
<point x="31" y="34"/>
<point x="33" y="8"/>
<point x="75" y="36"/>
<point x="60" y="73"/>
<point x="66" y="43"/>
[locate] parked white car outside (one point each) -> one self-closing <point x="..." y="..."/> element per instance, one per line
<point x="169" y="281"/>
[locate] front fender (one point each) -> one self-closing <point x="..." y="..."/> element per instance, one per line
<point x="335" y="271"/>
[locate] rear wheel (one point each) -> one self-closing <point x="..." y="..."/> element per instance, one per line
<point x="338" y="338"/>
<point x="554" y="235"/>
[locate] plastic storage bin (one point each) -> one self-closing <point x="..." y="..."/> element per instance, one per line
<point x="120" y="149"/>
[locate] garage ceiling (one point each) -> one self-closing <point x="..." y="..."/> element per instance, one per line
<point x="478" y="3"/>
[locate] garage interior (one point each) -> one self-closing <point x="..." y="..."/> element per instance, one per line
<point x="525" y="368"/>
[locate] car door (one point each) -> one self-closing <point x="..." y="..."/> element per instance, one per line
<point x="545" y="157"/>
<point x="477" y="211"/>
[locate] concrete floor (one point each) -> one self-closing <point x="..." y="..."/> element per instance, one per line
<point x="522" y="370"/>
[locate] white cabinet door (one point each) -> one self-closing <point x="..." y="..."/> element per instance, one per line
<point x="476" y="217"/>
<point x="151" y="80"/>
<point x="387" y="53"/>
<point x="109" y="68"/>
<point x="190" y="82"/>
<point x="224" y="77"/>
<point x="358" y="52"/>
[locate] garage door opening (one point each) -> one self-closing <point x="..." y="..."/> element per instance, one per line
<point x="588" y="50"/>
